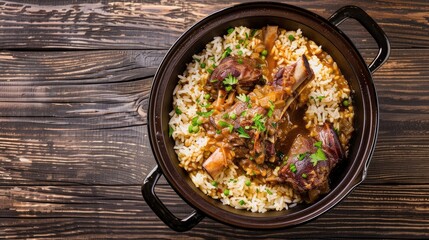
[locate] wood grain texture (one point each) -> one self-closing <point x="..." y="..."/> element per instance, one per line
<point x="100" y="211"/>
<point x="157" y="24"/>
<point x="74" y="149"/>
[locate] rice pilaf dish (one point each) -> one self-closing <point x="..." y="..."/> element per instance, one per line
<point x="196" y="122"/>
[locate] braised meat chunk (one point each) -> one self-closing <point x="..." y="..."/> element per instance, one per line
<point x="244" y="69"/>
<point x="310" y="161"/>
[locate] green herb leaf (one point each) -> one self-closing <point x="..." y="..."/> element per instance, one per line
<point x="210" y="71"/>
<point x="242" y="133"/>
<point x="269" y="191"/>
<point x="264" y="52"/>
<point x="178" y="111"/>
<point x="244" y="113"/>
<point x="241" y="202"/>
<point x="259" y="123"/>
<point x="292" y="167"/>
<point x="321" y="97"/>
<point x="230" y="80"/>
<point x="253" y="32"/>
<point x="214" y="183"/>
<point x="170" y="131"/>
<point x="226" y="53"/>
<point x="318" y="144"/>
<point x="243" y="97"/>
<point x="228" y="88"/>
<point x="291" y="37"/>
<point x="271" y="110"/>
<point x="230" y="30"/>
<point x="304" y="175"/>
<point x="202" y="65"/>
<point x="240" y="53"/>
<point x="233" y="116"/>
<point x="225" y="124"/>
<point x="319" y="155"/>
<point x="301" y="156"/>
<point x="205" y="114"/>
<point x="206" y="96"/>
<point x="240" y="61"/>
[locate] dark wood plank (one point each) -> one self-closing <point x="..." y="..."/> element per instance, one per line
<point x="157" y="24"/>
<point x="98" y="211"/>
<point x="66" y="127"/>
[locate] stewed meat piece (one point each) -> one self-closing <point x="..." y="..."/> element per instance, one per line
<point x="243" y="68"/>
<point x="310" y="161"/>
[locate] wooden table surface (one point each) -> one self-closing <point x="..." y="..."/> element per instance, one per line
<point x="74" y="150"/>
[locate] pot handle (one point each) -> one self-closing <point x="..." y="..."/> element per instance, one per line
<point x="371" y="26"/>
<point x="175" y="223"/>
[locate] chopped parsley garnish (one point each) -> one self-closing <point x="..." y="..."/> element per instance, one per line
<point x="243" y="97"/>
<point x="321" y="97"/>
<point x="292" y="167"/>
<point x="247" y="35"/>
<point x="240" y="53"/>
<point x="253" y="32"/>
<point x="237" y="46"/>
<point x="269" y="191"/>
<point x="202" y="65"/>
<point x="241" y="202"/>
<point x="301" y="156"/>
<point x="205" y="114"/>
<point x="225" y="116"/>
<point x="244" y="113"/>
<point x="233" y="116"/>
<point x="214" y="183"/>
<point x="230" y="80"/>
<point x="210" y="71"/>
<point x="291" y="37"/>
<point x="193" y="128"/>
<point x="218" y="131"/>
<point x="228" y="88"/>
<point x="242" y="133"/>
<point x="304" y="175"/>
<point x="271" y="110"/>
<point x="178" y="111"/>
<point x="206" y="96"/>
<point x="205" y="105"/>
<point x="170" y="131"/>
<point x="240" y="61"/>
<point x="226" y="53"/>
<point x="259" y="122"/>
<point x="230" y="30"/>
<point x="319" y="155"/>
<point x="318" y="144"/>
<point x="225" y="124"/>
<point x="264" y="52"/>
<point x="274" y="124"/>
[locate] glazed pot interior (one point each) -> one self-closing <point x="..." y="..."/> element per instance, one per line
<point x="315" y="28"/>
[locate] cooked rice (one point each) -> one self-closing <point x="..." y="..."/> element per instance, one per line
<point x="323" y="97"/>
